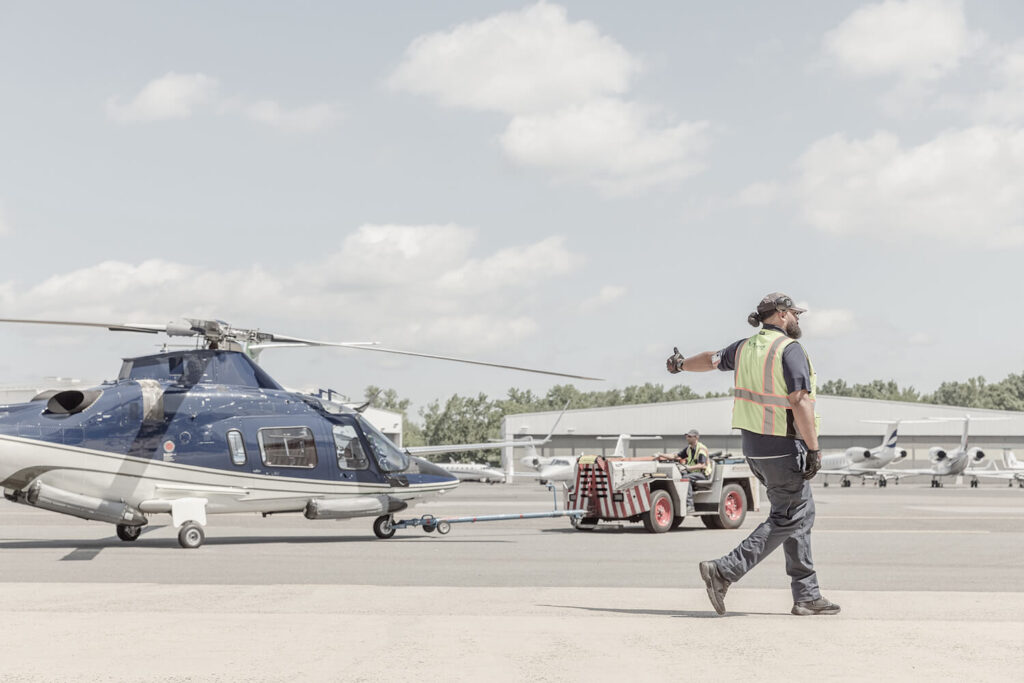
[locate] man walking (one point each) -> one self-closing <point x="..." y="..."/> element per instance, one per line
<point x="773" y="406"/>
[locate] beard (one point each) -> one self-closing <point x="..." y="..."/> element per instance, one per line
<point x="793" y="330"/>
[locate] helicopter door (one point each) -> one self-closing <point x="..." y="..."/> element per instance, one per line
<point x="349" y="451"/>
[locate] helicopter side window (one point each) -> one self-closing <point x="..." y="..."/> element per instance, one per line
<point x="287" y="447"/>
<point x="237" y="447"/>
<point x="350" y="452"/>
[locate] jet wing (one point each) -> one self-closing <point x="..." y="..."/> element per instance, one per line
<point x="897" y="474"/>
<point x="462" y="447"/>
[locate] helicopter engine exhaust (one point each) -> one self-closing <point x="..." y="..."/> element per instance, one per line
<point x="347" y="508"/>
<point x="50" y="498"/>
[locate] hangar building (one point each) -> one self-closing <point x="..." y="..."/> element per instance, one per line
<point x="845" y="422"/>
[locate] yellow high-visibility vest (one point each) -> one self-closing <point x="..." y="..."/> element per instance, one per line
<point x="760" y="396"/>
<point x="691" y="458"/>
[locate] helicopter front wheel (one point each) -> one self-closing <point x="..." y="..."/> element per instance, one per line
<point x="128" y="533"/>
<point x="191" y="535"/>
<point x="383" y="527"/>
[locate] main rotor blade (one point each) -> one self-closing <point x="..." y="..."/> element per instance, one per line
<point x="116" y="327"/>
<point x="453" y="359"/>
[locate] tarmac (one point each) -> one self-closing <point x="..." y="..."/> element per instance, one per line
<point x="930" y="582"/>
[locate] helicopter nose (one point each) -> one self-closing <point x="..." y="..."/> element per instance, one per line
<point x="426" y="467"/>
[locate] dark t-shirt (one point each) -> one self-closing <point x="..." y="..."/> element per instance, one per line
<point x="797" y="372"/>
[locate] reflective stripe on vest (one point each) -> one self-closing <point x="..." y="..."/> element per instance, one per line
<point x="760" y="396"/>
<point x="691" y="458"/>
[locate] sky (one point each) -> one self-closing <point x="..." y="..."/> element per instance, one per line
<point x="573" y="186"/>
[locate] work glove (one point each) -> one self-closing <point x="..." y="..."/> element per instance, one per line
<point x="674" y="363"/>
<point x="812" y="463"/>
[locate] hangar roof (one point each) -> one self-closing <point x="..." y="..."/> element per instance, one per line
<point x="840" y="416"/>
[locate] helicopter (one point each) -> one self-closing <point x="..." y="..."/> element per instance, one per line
<point x="206" y="430"/>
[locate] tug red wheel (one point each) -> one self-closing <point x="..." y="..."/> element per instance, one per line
<point x="659" y="518"/>
<point x="733" y="508"/>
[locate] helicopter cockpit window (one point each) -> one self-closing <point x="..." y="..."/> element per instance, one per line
<point x="199" y="367"/>
<point x="287" y="447"/>
<point x="350" y="451"/>
<point x="388" y="456"/>
<point x="237" y="447"/>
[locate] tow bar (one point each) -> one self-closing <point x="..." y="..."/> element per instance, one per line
<point x="444" y="525"/>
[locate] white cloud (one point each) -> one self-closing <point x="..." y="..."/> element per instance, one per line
<point x="609" y="294"/>
<point x="1006" y="103"/>
<point x="611" y="144"/>
<point x="486" y="330"/>
<point x="515" y="266"/>
<point x="915" y="40"/>
<point x="172" y="96"/>
<point x="393" y="282"/>
<point x="963" y="187"/>
<point x="563" y="84"/>
<point x="396" y="255"/>
<point x="828" y="322"/>
<point x="180" y="96"/>
<point x="530" y="60"/>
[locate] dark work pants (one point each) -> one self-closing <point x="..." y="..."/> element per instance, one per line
<point x="692" y="476"/>
<point x="789" y="525"/>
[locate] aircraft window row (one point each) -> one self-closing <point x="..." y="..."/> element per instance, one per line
<point x="350" y="451"/>
<point x="287" y="447"/>
<point x="237" y="447"/>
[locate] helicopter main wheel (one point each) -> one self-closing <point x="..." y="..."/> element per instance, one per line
<point x="128" y="533"/>
<point x="383" y="527"/>
<point x="191" y="535"/>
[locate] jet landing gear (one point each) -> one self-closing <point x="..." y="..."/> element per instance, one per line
<point x="974" y="483"/>
<point x="936" y="484"/>
<point x="128" y="533"/>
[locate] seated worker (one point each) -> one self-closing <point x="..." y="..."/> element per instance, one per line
<point x="695" y="464"/>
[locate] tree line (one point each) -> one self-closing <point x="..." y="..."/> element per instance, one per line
<point x="475" y="419"/>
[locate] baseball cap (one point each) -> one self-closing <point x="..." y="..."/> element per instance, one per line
<point x="777" y="301"/>
<point x="693" y="432"/>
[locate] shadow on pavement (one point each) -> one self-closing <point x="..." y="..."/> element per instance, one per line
<point x="688" y="614"/>
<point x="89" y="549"/>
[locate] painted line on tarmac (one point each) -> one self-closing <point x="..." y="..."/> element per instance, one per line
<point x="902" y="531"/>
<point x="972" y="518"/>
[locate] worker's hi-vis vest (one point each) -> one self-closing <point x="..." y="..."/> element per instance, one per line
<point x="760" y="396"/>
<point x="691" y="458"/>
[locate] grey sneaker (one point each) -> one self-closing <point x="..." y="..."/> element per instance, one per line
<point x="716" y="584"/>
<point x="819" y="606"/>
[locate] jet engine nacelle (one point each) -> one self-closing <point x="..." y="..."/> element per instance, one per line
<point x="937" y="454"/>
<point x="900" y="454"/>
<point x="856" y="454"/>
<point x="976" y="454"/>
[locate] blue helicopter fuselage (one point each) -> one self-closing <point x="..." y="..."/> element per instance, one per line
<point x="217" y="410"/>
